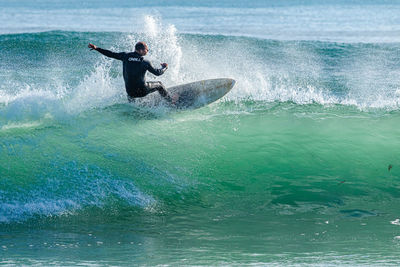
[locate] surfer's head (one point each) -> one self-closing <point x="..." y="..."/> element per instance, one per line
<point x="141" y="48"/>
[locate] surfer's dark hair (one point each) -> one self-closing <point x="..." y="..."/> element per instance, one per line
<point x="141" y="46"/>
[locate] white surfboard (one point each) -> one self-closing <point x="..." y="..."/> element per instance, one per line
<point x="194" y="95"/>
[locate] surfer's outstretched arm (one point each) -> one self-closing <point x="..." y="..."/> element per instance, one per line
<point x="156" y="72"/>
<point x="107" y="53"/>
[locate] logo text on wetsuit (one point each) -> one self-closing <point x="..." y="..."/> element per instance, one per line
<point x="134" y="59"/>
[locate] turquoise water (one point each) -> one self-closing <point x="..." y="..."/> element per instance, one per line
<point x="297" y="165"/>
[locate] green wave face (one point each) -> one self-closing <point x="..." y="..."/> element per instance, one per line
<point x="296" y="164"/>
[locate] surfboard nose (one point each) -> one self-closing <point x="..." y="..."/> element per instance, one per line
<point x="231" y="81"/>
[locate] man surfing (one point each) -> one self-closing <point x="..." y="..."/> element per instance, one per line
<point x="134" y="71"/>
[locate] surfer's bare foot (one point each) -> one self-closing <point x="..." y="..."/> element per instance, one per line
<point x="174" y="99"/>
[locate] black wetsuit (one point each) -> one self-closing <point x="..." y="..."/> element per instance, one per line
<point x="134" y="71"/>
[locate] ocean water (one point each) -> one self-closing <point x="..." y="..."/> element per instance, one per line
<point x="298" y="165"/>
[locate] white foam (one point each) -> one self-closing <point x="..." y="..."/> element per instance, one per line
<point x="57" y="201"/>
<point x="20" y="125"/>
<point x="395" y="222"/>
<point x="96" y="90"/>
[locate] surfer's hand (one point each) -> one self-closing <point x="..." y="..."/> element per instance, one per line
<point x="164" y="65"/>
<point x="92" y="47"/>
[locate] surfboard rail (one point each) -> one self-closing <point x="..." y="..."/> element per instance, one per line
<point x="200" y="93"/>
<point x="192" y="95"/>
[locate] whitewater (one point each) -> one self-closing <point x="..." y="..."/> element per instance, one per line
<point x="298" y="165"/>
